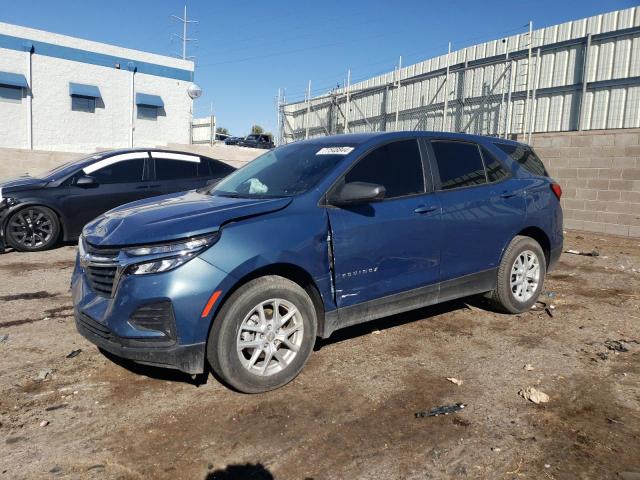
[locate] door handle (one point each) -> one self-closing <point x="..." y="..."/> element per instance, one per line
<point x="425" y="209"/>
<point x="506" y="194"/>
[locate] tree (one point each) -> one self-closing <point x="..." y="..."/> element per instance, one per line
<point x="222" y="131"/>
<point x="257" y="130"/>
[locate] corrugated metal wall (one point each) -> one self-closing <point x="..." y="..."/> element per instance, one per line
<point x="583" y="74"/>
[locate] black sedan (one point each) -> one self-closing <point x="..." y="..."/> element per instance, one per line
<point x="37" y="212"/>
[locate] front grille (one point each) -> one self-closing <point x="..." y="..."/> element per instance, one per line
<point x="101" y="269"/>
<point x="101" y="279"/>
<point x="94" y="327"/>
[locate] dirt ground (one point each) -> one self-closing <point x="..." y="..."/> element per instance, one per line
<point x="351" y="413"/>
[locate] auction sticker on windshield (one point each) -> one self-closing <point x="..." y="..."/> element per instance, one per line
<point x="335" y="151"/>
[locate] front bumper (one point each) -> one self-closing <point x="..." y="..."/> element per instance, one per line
<point x="107" y="321"/>
<point x="187" y="358"/>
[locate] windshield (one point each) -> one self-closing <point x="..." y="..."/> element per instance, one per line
<point x="286" y="171"/>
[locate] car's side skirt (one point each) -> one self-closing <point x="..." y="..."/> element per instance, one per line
<point x="410" y="300"/>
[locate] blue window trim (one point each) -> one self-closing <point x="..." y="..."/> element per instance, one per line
<point x="15" y="80"/>
<point x="148" y="100"/>
<point x="81" y="90"/>
<point x="83" y="56"/>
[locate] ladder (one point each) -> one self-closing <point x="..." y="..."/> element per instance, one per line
<point x="522" y="83"/>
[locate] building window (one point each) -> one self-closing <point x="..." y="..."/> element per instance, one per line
<point x="83" y="104"/>
<point x="10" y="94"/>
<point x="147" y="113"/>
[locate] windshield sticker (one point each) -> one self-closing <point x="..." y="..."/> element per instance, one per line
<point x="335" y="151"/>
<point x="256" y="186"/>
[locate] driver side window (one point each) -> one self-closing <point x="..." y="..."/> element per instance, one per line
<point x="396" y="165"/>
<point x="127" y="171"/>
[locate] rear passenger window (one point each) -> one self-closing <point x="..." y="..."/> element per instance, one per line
<point x="397" y="166"/>
<point x="175" y="169"/>
<point x="525" y="157"/>
<point x="495" y="170"/>
<point x="459" y="164"/>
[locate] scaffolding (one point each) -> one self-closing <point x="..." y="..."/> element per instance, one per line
<point x="558" y="78"/>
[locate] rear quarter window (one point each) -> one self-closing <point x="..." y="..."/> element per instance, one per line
<point x="526" y="157"/>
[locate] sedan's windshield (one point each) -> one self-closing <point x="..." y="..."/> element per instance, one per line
<point x="283" y="172"/>
<point x="68" y="168"/>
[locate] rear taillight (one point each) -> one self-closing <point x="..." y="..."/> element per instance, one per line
<point x="557" y="190"/>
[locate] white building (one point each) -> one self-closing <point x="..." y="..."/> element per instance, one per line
<point x="68" y="94"/>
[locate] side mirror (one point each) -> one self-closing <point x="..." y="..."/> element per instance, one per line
<point x="86" y="182"/>
<point x="354" y="193"/>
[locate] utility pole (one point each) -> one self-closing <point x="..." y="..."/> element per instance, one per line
<point x="185" y="39"/>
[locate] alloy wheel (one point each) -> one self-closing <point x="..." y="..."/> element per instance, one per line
<point x="270" y="337"/>
<point x="30" y="228"/>
<point x="525" y="276"/>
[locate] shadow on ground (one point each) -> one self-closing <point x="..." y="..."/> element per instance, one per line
<point x="157" y="373"/>
<point x="167" y="374"/>
<point x="248" y="471"/>
<point x="401" y="319"/>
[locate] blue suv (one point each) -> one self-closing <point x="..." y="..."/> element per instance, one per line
<point x="312" y="237"/>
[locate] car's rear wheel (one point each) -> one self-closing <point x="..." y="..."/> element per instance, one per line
<point x="32" y="229"/>
<point x="521" y="276"/>
<point x="263" y="335"/>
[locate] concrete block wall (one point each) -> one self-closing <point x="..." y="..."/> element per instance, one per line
<point x="599" y="171"/>
<point x="15" y="162"/>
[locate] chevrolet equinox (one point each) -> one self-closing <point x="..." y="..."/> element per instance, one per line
<point x="311" y="237"/>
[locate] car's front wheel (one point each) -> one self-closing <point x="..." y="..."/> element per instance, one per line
<point x="521" y="276"/>
<point x="32" y="229"/>
<point x="263" y="335"/>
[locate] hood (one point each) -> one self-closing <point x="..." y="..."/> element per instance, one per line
<point x="21" y="183"/>
<point x="173" y="217"/>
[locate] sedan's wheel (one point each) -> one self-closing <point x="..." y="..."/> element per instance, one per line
<point x="520" y="276"/>
<point x="263" y="335"/>
<point x="32" y="229"/>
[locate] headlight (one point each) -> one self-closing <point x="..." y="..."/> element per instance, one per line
<point x="6" y="202"/>
<point x="168" y="256"/>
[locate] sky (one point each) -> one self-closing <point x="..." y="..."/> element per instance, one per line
<point x="247" y="49"/>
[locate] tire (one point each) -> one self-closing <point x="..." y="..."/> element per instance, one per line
<point x="512" y="298"/>
<point x="32" y="229"/>
<point x="239" y="324"/>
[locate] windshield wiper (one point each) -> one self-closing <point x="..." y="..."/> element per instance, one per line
<point x="230" y="194"/>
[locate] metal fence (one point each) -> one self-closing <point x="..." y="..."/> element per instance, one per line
<point x="580" y="75"/>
